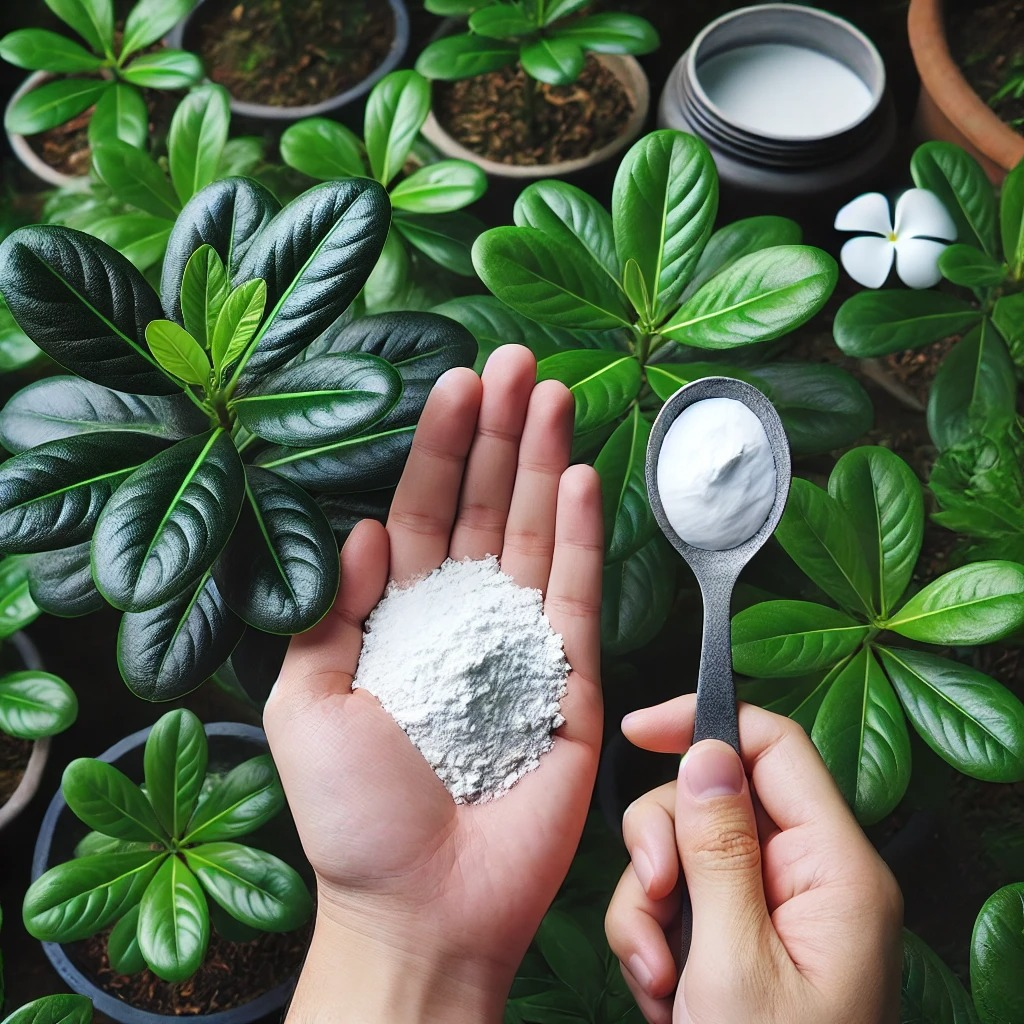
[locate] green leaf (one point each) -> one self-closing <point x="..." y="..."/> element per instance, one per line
<point x="322" y="149"/>
<point x="204" y="290"/>
<point x="251" y="885"/>
<point x="123" y="944"/>
<point x="440" y="188"/>
<point x="930" y="992"/>
<point x="175" y="766"/>
<point x="108" y="801"/>
<point x="570" y="954"/>
<point x="395" y="111"/>
<point x="279" y="571"/>
<point x="818" y="534"/>
<point x="178" y="352"/>
<point x="884" y="501"/>
<point x="967" y="718"/>
<point x="552" y="59"/>
<point x="237" y="322"/>
<point x="84" y="305"/>
<point x="1011" y="220"/>
<point x="139" y="237"/>
<point x="964" y="189"/>
<point x="136" y="178"/>
<point x="637" y="596"/>
<point x="611" y="32"/>
<point x="35" y="704"/>
<point x="792" y="638"/>
<point x="621" y="464"/>
<point x="242" y="155"/>
<point x="975" y="388"/>
<point x="862" y="736"/>
<point x="799" y="699"/>
<point x="965" y="265"/>
<point x="93" y="20"/>
<point x="463" y="56"/>
<point x="445" y="238"/>
<point x="666" y="188"/>
<point x="756" y="298"/>
<point x="168" y="651"/>
<point x="321" y="400"/>
<point x="121" y="114"/>
<point x="602" y="383"/>
<point x="41" y="50"/>
<point x="59" y="1009"/>
<point x="17" y="609"/>
<point x="228" y="928"/>
<point x="635" y="287"/>
<point x="61" y="581"/>
<point x="174" y="924"/>
<point x="96" y="842"/>
<point x="167" y="522"/>
<point x="572" y="216"/>
<point x="877" y="323"/>
<point x="150" y="20"/>
<point x="51" y="497"/>
<point x="242" y="801"/>
<point x="500" y="21"/>
<point x="165" y="69"/>
<point x="51" y="104"/>
<point x="197" y="137"/>
<point x="545" y="279"/>
<point x="1008" y="316"/>
<point x="975" y="604"/>
<point x="997" y="956"/>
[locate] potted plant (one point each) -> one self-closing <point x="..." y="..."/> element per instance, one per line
<point x="948" y="107"/>
<point x="191" y="467"/>
<point x="105" y="73"/>
<point x="282" y="60"/>
<point x="539" y="89"/>
<point x="160" y="873"/>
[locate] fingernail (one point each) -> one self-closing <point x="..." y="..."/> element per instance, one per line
<point x="644" y="868"/>
<point x="712" y="769"/>
<point x="639" y="971"/>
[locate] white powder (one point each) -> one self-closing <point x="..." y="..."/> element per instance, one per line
<point x="716" y="474"/>
<point x="466" y="663"/>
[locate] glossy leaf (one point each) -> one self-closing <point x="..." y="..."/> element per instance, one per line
<point x="242" y="801"/>
<point x="34" y="704"/>
<point x="975" y="604"/>
<point x="965" y="265"/>
<point x="637" y="597"/>
<point x="256" y="663"/>
<point x="1008" y="317"/>
<point x="862" y="736"/>
<point x="84" y="305"/>
<point x="61" y="581"/>
<point x="237" y="322"/>
<point x="167" y="522"/>
<point x="279" y="571"/>
<point x="569" y="951"/>
<point x="545" y="279"/>
<point x="164" y="69"/>
<point x="463" y="56"/>
<point x="799" y="699"/>
<point x="204" y="290"/>
<point x="175" y="765"/>
<point x="602" y="383"/>
<point x="121" y="114"/>
<point x="197" y="137"/>
<point x="445" y="238"/>
<point x="1011" y="225"/>
<point x="139" y="237"/>
<point x="792" y="638"/>
<point x="500" y="21"/>
<point x="51" y="496"/>
<point x="52" y="103"/>
<point x="178" y="352"/>
<point x="611" y="32"/>
<point x="930" y="992"/>
<point x="168" y="651"/>
<point x="123" y="945"/>
<point x="757" y="298"/>
<point x="38" y="49"/>
<point x="58" y="1009"/>
<point x="967" y="718"/>
<point x="628" y="521"/>
<point x="997" y="956"/>
<point x="17" y="608"/>
<point x="93" y="20"/>
<point x="440" y="188"/>
<point x="108" y="801"/>
<point x="149" y="20"/>
<point x="552" y="59"/>
<point x="666" y="188"/>
<point x="135" y="177"/>
<point x="883" y="498"/>
<point x="322" y="149"/>
<point x="174" y="924"/>
<point x="555" y="9"/>
<point x="251" y="885"/>
<point x="395" y="111"/>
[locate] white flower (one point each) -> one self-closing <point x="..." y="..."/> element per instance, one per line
<point x="911" y="240"/>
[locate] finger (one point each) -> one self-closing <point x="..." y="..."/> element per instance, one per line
<point x="324" y="658"/>
<point x="543" y="457"/>
<point x="491" y="467"/>
<point x="655" y="1011"/>
<point x="649" y="832"/>
<point x="423" y="510"/>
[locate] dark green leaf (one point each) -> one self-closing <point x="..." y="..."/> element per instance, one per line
<point x="35" y="704"/>
<point x="120" y="113"/>
<point x="178" y="352"/>
<point x="395" y="111"/>
<point x="61" y="581"/>
<point x="228" y="928"/>
<point x="799" y="699"/>
<point x="440" y="188"/>
<point x="602" y="383"/>
<point x="965" y="265"/>
<point x="637" y="597"/>
<point x="931" y="993"/>
<point x="445" y="238"/>
<point x="204" y="290"/>
<point x="51" y="104"/>
<point x="135" y="177"/>
<point x="566" y="947"/>
<point x="108" y="801"/>
<point x="552" y="59"/>
<point x="93" y="20"/>
<point x="997" y="957"/>
<point x="59" y="1009"/>
<point x="500" y="21"/>
<point x="164" y="69"/>
<point x="17" y="608"/>
<point x="322" y="149"/>
<point x="174" y="924"/>
<point x="242" y="801"/>
<point x="343" y="511"/>
<point x="123" y="945"/>
<point x="463" y="56"/>
<point x="197" y="137"/>
<point x="628" y="521"/>
<point x="149" y="20"/>
<point x="175" y="766"/>
<point x="165" y="525"/>
<point x="256" y="663"/>
<point x="1011" y="226"/>
<point x="611" y="32"/>
<point x="1008" y="316"/>
<point x="41" y="50"/>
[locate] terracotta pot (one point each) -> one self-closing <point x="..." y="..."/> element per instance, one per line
<point x="626" y="69"/>
<point x="948" y="108"/>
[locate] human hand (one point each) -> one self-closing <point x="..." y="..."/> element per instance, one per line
<point x="425" y="908"/>
<point x="796" y="919"/>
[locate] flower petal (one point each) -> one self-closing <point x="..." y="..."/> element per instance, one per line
<point x="868" y="260"/>
<point x="920" y="214"/>
<point x="917" y="262"/>
<point x="869" y="212"/>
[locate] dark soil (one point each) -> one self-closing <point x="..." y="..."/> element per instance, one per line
<point x="489" y="114"/>
<point x="234" y="973"/>
<point x="987" y="41"/>
<point x="14" y="755"/>
<point x="288" y="54"/>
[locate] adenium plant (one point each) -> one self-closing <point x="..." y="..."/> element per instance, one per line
<point x="853" y="679"/>
<point x="107" y="69"/>
<point x="163" y="863"/>
<point x="193" y="469"/>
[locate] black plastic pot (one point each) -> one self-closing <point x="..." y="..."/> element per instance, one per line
<point x="230" y="743"/>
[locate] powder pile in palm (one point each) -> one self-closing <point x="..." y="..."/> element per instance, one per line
<point x="466" y="663"/>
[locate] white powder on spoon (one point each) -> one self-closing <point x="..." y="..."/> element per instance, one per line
<point x="466" y="663"/>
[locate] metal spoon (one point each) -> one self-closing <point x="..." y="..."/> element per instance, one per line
<point x="717" y="571"/>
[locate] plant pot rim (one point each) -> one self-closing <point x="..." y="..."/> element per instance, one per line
<point x="267" y="1003"/>
<point x="627" y="70"/>
<point x="29" y="784"/>
<point x="951" y="92"/>
<point x="329" y="106"/>
<point x="24" y="151"/>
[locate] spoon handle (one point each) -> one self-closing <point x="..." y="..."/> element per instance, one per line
<point x="716" y="690"/>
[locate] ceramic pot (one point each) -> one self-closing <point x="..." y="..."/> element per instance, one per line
<point x="947" y="107"/>
<point x="29" y="785"/>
